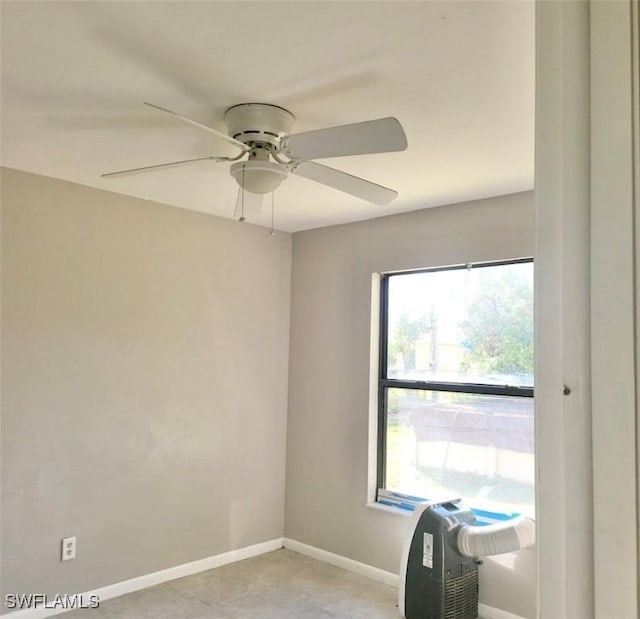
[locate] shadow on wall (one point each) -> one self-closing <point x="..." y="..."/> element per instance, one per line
<point x="506" y="582"/>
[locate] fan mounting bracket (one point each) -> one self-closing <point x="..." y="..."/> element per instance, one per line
<point x="258" y="123"/>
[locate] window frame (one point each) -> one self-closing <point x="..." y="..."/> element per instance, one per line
<point x="384" y="383"/>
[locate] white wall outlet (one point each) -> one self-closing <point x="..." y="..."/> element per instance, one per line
<point x="68" y="549"/>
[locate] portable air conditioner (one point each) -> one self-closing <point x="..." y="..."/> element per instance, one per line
<point x="439" y="571"/>
<point x="436" y="581"/>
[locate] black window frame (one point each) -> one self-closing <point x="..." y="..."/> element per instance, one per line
<point x="384" y="383"/>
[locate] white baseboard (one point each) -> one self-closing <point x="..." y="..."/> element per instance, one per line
<point x="156" y="578"/>
<point x="389" y="578"/>
<point x="488" y="612"/>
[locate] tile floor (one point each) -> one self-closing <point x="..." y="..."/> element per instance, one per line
<point x="277" y="585"/>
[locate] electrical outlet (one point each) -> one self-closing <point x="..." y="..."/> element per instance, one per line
<point x="68" y="549"/>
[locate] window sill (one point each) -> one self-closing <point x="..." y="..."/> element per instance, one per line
<point x="398" y="511"/>
<point x="483" y="518"/>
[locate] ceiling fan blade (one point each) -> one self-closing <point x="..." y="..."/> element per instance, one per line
<point x="356" y="186"/>
<point x="157" y="166"/>
<point x="247" y="204"/>
<point x="383" y="135"/>
<point x="195" y="123"/>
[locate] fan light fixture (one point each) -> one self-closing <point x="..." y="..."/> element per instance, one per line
<point x="258" y="176"/>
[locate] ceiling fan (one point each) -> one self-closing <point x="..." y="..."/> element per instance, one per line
<point x="268" y="152"/>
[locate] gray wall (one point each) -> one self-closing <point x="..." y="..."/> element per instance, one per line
<point x="144" y="398"/>
<point x="328" y="421"/>
<point x="145" y="355"/>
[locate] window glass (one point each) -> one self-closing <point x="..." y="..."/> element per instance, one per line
<point x="462" y="325"/>
<point x="447" y="445"/>
<point x="456" y="387"/>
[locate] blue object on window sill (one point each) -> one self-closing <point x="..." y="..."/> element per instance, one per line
<point x="409" y="503"/>
<point x="406" y="506"/>
<point x="487" y="517"/>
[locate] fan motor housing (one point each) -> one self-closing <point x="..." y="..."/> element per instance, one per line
<point x="252" y="123"/>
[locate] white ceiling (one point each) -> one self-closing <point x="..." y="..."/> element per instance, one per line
<point x="458" y="75"/>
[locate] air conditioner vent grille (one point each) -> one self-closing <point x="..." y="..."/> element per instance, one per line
<point x="461" y="596"/>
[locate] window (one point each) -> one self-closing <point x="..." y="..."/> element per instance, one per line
<point x="456" y="387"/>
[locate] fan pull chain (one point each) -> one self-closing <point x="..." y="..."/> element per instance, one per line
<point x="242" y="217"/>
<point x="272" y="232"/>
